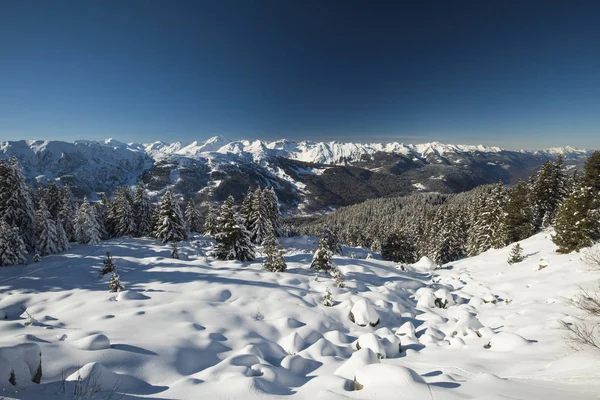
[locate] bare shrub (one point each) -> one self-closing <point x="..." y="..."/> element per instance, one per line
<point x="584" y="332"/>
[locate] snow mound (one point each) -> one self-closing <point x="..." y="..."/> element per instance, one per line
<point x="93" y="342"/>
<point x="293" y="343"/>
<point x="507" y="341"/>
<point x="425" y="264"/>
<point x="387" y="381"/>
<point x="370" y="341"/>
<point x="99" y="378"/>
<point x="131" y="295"/>
<point x="407" y="329"/>
<point x="357" y="361"/>
<point x="363" y="314"/>
<point x="20" y="365"/>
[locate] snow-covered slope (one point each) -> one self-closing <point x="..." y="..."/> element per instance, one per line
<point x="199" y="328"/>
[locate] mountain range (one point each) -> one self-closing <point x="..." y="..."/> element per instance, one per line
<point x="308" y="176"/>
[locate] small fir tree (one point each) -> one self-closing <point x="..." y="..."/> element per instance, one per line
<point x="322" y="258"/>
<point x="399" y="247"/>
<point x="274" y="260"/>
<point x="36" y="257"/>
<point x="338" y="277"/>
<point x="46" y="237"/>
<point x="108" y="266"/>
<point x="328" y="300"/>
<point x="174" y="250"/>
<point x="516" y="254"/>
<point x="114" y="285"/>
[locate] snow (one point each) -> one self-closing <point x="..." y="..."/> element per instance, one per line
<point x="199" y="328"/>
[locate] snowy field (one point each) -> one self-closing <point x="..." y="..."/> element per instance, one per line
<point x="197" y="328"/>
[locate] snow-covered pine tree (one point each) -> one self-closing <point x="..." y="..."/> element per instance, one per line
<point x="338" y="278"/>
<point x="516" y="254"/>
<point x="577" y="221"/>
<point x="142" y="211"/>
<point x="193" y="219"/>
<point x="16" y="204"/>
<point x="114" y="285"/>
<point x="210" y="222"/>
<point x="272" y="206"/>
<point x="246" y="209"/>
<point x="591" y="172"/>
<point x="111" y="218"/>
<point x="448" y="235"/>
<point x="486" y="220"/>
<point x="86" y="224"/>
<point x="51" y="195"/>
<point x="125" y="219"/>
<point x="174" y="250"/>
<point x="322" y="258"/>
<point x="62" y="242"/>
<point x="399" y="247"/>
<point x="46" y="231"/>
<point x="274" y="260"/>
<point x="108" y="265"/>
<point x="36" y="257"/>
<point x="12" y="247"/>
<point x="232" y="240"/>
<point x="67" y="212"/>
<point x="548" y="191"/>
<point x="331" y="238"/>
<point x="154" y="222"/>
<point x="328" y="300"/>
<point x="259" y="217"/>
<point x="518" y="214"/>
<point x="171" y="226"/>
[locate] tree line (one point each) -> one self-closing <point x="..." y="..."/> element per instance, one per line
<point x="449" y="227"/>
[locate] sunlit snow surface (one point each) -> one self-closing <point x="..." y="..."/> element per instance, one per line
<point x="197" y="328"/>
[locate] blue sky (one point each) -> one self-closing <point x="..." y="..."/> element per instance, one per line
<point x="520" y="74"/>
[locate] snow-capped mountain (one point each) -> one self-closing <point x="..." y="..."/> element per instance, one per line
<point x="308" y="175"/>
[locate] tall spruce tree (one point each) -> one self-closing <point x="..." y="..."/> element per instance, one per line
<point x="47" y="239"/>
<point x="518" y="214"/>
<point x="193" y="219"/>
<point x="12" y="247"/>
<point x="67" y="212"/>
<point x="62" y="241"/>
<point x="591" y="172"/>
<point x="232" y="240"/>
<point x="171" y="226"/>
<point x="259" y="217"/>
<point x="86" y="224"/>
<point x="142" y="211"/>
<point x="486" y="220"/>
<point x="125" y="219"/>
<point x="577" y="223"/>
<point x="246" y="209"/>
<point x="210" y="222"/>
<point x="272" y="207"/>
<point x="16" y="203"/>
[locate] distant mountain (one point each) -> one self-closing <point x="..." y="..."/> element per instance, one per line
<point x="308" y="176"/>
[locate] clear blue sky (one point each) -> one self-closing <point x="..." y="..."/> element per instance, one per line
<point x="514" y="73"/>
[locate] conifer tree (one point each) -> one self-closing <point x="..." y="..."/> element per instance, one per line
<point x="322" y="258"/>
<point x="259" y="217"/>
<point x="246" y="209"/>
<point x="486" y="220"/>
<point x="398" y="247"/>
<point x="193" y="219"/>
<point x="62" y="242"/>
<point x="142" y="211"/>
<point x="578" y="221"/>
<point x="232" y="240"/>
<point x="86" y="224"/>
<point x="328" y="300"/>
<point x="12" y="247"/>
<point x="274" y="260"/>
<point x="108" y="265"/>
<point x="114" y="285"/>
<point x="591" y="172"/>
<point x="125" y="219"/>
<point x="16" y="204"/>
<point x="52" y="196"/>
<point x="67" y="212"/>
<point x="272" y="207"/>
<point x="46" y="236"/>
<point x="516" y="254"/>
<point x="171" y="226"/>
<point x="210" y="222"/>
<point x="518" y="214"/>
<point x="174" y="250"/>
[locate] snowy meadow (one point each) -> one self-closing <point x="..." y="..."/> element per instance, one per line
<point x="197" y="327"/>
